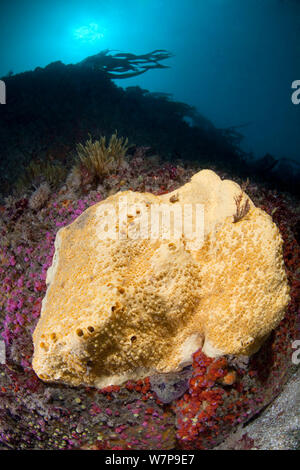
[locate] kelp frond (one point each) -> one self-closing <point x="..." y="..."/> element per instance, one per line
<point x="125" y="65"/>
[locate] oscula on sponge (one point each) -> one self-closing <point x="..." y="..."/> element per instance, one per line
<point x="122" y="307"/>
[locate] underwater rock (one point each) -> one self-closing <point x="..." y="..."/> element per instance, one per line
<point x="121" y="305"/>
<point x="276" y="428"/>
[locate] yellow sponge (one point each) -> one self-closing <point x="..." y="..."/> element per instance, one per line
<point x="126" y="299"/>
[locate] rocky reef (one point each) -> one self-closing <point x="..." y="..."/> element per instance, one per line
<point x="130" y="295"/>
<point x="56" y="169"/>
<point x="196" y="408"/>
<point x="50" y="110"/>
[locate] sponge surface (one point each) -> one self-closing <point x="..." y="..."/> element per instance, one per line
<point x="125" y="300"/>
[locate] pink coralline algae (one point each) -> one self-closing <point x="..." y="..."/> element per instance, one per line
<point x="197" y="409"/>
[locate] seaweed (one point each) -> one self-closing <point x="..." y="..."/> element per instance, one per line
<point x="241" y="209"/>
<point x="126" y="65"/>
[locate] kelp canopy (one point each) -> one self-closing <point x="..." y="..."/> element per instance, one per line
<point x="126" y="65"/>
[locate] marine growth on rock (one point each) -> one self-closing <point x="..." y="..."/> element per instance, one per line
<point x="140" y="282"/>
<point x="193" y="408"/>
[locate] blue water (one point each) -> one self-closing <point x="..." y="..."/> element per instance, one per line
<point x="235" y="60"/>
